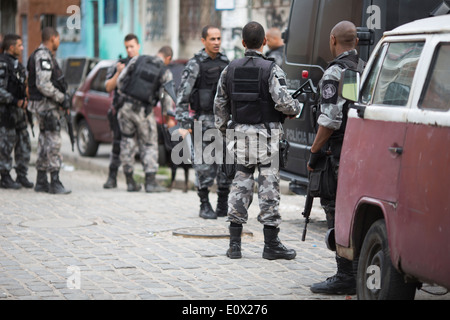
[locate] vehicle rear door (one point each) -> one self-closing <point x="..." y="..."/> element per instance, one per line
<point x="424" y="203"/>
<point x="97" y="102"/>
<point x="372" y="149"/>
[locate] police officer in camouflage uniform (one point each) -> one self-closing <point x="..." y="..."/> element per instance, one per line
<point x="197" y="90"/>
<point x="132" y="47"/>
<point x="136" y="117"/>
<point x="13" y="124"/>
<point x="252" y="92"/>
<point x="276" y="45"/>
<point x="46" y="89"/>
<point x="329" y="138"/>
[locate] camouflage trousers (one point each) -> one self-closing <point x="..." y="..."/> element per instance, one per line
<point x="17" y="141"/>
<point x="205" y="174"/>
<point x="208" y="171"/>
<point x="241" y="195"/>
<point x="137" y="127"/>
<point x="7" y="140"/>
<point x="49" y="156"/>
<point x="256" y="149"/>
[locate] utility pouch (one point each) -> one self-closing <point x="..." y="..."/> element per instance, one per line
<point x="51" y="123"/>
<point x="205" y="98"/>
<point x="323" y="180"/>
<point x="283" y="152"/>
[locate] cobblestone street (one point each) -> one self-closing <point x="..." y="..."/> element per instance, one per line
<point x="111" y="244"/>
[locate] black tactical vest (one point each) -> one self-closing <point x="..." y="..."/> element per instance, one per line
<point x="57" y="77"/>
<point x="142" y="79"/>
<point x="352" y="62"/>
<point x="202" y="97"/>
<point x="16" y="76"/>
<point x="248" y="89"/>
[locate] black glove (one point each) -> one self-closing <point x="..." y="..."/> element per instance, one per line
<point x="314" y="158"/>
<point x="188" y="124"/>
<point x="67" y="102"/>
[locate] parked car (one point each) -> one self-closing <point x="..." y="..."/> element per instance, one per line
<point x="393" y="205"/>
<point x="91" y="103"/>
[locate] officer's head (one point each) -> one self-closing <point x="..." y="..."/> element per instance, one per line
<point x="12" y="44"/>
<point x="253" y="36"/>
<point x="211" y="39"/>
<point x="343" y="37"/>
<point x="132" y="45"/>
<point x="50" y="38"/>
<point x="274" y="39"/>
<point x="166" y="53"/>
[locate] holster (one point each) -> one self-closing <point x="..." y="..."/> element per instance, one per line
<point x="283" y="152"/>
<point x="51" y="122"/>
<point x="323" y="180"/>
<point x="202" y="100"/>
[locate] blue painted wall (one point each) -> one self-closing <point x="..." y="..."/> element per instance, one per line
<point x="111" y="35"/>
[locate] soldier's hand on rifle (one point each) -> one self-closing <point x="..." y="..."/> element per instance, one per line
<point x="22" y="103"/>
<point x="119" y="67"/>
<point x="314" y="159"/>
<point x="66" y="103"/>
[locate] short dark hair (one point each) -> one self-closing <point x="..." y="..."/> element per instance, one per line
<point x="206" y="29"/>
<point x="48" y="33"/>
<point x="253" y="35"/>
<point x="166" y="51"/>
<point x="130" y="37"/>
<point x="10" y="40"/>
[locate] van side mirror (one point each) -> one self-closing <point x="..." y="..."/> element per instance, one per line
<point x="349" y="85"/>
<point x="349" y="90"/>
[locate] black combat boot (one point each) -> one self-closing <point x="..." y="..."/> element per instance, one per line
<point x="111" y="182"/>
<point x="343" y="282"/>
<point x="7" y="182"/>
<point x="234" y="252"/>
<point x="273" y="248"/>
<point x="206" y="210"/>
<point x="132" y="186"/>
<point x="151" y="185"/>
<point x="222" y="202"/>
<point x="22" y="179"/>
<point x="42" y="184"/>
<point x="56" y="187"/>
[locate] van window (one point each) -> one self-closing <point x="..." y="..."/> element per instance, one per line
<point x="397" y="73"/>
<point x="436" y="94"/>
<point x="98" y="83"/>
<point x="369" y="85"/>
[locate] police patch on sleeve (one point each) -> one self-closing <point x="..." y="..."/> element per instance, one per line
<point x="46" y="65"/>
<point x="330" y="91"/>
<point x="282" y="81"/>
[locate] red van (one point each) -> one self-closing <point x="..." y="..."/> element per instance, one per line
<point x="393" y="198"/>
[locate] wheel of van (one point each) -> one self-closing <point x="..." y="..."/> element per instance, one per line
<point x="87" y="146"/>
<point x="377" y="278"/>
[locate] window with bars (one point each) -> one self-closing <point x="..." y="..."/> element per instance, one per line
<point x="110" y="12"/>
<point x="194" y="15"/>
<point x="155" y="25"/>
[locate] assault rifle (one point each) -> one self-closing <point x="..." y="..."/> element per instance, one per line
<point x="307" y="88"/>
<point x="61" y="85"/>
<point x="68" y="118"/>
<point x="307" y="212"/>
